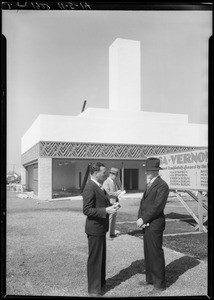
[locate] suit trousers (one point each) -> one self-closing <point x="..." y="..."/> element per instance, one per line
<point x="112" y="223"/>
<point x="154" y="257"/>
<point x="96" y="264"/>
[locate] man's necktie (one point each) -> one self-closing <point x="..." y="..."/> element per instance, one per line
<point x="102" y="188"/>
<point x="100" y="185"/>
<point x="148" y="186"/>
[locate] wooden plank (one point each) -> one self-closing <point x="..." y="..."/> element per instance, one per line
<point x="205" y="219"/>
<point x="200" y="212"/>
<point x="196" y="199"/>
<point x="189" y="211"/>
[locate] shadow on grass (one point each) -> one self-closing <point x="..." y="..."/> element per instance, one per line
<point x="178" y="267"/>
<point x="136" y="267"/>
<point x="173" y="215"/>
<point x="184" y="218"/>
<point x="173" y="271"/>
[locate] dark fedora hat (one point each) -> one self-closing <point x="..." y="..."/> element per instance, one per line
<point x="153" y="164"/>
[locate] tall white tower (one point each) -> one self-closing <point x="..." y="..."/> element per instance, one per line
<point x="125" y="75"/>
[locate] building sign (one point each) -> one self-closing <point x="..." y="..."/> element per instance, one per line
<point x="185" y="170"/>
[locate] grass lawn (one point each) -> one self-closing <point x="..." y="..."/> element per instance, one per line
<point x="190" y="244"/>
<point x="47" y="246"/>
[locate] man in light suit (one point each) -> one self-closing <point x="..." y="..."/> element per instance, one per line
<point x="96" y="207"/>
<point x="113" y="187"/>
<point x="151" y="212"/>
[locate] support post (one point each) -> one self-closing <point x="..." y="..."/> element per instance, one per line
<point x="200" y="212"/>
<point x="122" y="176"/>
<point x="45" y="186"/>
<point x="203" y="228"/>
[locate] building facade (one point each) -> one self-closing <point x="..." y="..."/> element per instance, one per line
<point x="56" y="150"/>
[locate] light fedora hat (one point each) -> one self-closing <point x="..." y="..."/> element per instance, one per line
<point x="114" y="171"/>
<point x="153" y="164"/>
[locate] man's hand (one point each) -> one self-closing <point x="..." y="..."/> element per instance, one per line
<point x="145" y="225"/>
<point x="118" y="192"/>
<point x="117" y="205"/>
<point x="140" y="222"/>
<point x="111" y="209"/>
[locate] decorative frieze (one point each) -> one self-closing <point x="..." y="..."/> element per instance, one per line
<point x="97" y="151"/>
<point x="31" y="155"/>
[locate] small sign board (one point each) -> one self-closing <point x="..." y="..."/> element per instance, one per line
<point x="185" y="170"/>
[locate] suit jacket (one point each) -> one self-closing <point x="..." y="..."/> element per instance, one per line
<point x="153" y="203"/>
<point x="111" y="188"/>
<point x="95" y="201"/>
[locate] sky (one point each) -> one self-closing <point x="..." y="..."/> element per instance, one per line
<point x="58" y="59"/>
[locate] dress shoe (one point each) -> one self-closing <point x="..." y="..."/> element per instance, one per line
<point x="155" y="290"/>
<point x="104" y="289"/>
<point x="113" y="236"/>
<point x="94" y="295"/>
<point x="103" y="284"/>
<point x="144" y="283"/>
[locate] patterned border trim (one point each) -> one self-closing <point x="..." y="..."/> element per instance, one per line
<point x="30" y="155"/>
<point x="97" y="151"/>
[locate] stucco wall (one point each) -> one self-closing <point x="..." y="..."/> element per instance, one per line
<point x="45" y="178"/>
<point x="160" y="130"/>
<point x="125" y="74"/>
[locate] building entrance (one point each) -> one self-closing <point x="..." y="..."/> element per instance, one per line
<point x="131" y="177"/>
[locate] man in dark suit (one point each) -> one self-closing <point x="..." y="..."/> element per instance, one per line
<point x="151" y="218"/>
<point x="97" y="207"/>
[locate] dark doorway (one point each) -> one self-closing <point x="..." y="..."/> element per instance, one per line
<point x="131" y="179"/>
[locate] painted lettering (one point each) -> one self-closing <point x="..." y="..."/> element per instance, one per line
<point x="173" y="158"/>
<point x="194" y="157"/>
<point x="180" y="159"/>
<point x="163" y="160"/>
<point x="187" y="158"/>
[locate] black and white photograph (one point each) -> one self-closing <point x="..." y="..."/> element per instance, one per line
<point x="106" y="149"/>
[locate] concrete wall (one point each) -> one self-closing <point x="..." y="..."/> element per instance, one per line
<point x="45" y="178"/>
<point x="23" y="176"/>
<point x="130" y="130"/>
<point x="125" y="75"/>
<point x="139" y="116"/>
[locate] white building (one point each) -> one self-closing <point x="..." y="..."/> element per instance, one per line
<point x="56" y="149"/>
